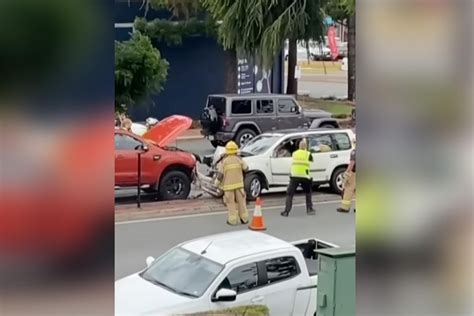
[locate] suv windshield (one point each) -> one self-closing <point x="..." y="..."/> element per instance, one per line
<point x="259" y="144"/>
<point x="218" y="103"/>
<point x="182" y="272"/>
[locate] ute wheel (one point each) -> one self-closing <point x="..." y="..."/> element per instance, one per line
<point x="253" y="185"/>
<point x="244" y="136"/>
<point x="174" y="185"/>
<point x="337" y="180"/>
<point x="327" y="126"/>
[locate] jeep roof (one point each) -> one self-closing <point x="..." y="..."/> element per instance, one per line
<point x="251" y="95"/>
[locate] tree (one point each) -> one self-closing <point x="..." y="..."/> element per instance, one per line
<point x="139" y="71"/>
<point x="311" y="28"/>
<point x="259" y="28"/>
<point x="343" y="11"/>
<point x="188" y="18"/>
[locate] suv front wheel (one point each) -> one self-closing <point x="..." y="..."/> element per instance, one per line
<point x="244" y="136"/>
<point x="253" y="186"/>
<point x="174" y="185"/>
<point x="337" y="180"/>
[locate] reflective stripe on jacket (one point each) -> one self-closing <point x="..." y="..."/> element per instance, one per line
<point x="300" y="165"/>
<point x="232" y="167"/>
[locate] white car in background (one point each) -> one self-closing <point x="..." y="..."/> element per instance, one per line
<point x="140" y="129"/>
<point x="223" y="271"/>
<point x="269" y="158"/>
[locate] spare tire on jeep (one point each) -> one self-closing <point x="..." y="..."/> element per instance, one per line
<point x="210" y="120"/>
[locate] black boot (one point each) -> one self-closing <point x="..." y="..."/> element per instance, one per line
<point x="341" y="210"/>
<point x="311" y="212"/>
<point x="285" y="213"/>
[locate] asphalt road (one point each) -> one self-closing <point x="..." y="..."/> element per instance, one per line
<point x="320" y="85"/>
<point x="134" y="241"/>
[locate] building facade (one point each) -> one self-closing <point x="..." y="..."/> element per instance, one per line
<point x="196" y="69"/>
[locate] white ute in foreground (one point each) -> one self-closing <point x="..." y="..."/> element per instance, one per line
<point x="226" y="270"/>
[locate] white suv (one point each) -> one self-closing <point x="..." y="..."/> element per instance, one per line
<point x="269" y="158"/>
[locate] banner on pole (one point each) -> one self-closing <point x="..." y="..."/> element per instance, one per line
<point x="332" y="42"/>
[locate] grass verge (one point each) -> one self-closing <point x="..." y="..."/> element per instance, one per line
<point x="254" y="310"/>
<point x="339" y="109"/>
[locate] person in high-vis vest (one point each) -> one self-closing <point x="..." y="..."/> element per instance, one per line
<point x="300" y="175"/>
<point x="349" y="185"/>
<point x="231" y="173"/>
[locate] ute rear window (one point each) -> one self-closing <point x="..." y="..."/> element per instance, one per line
<point x="218" y="103"/>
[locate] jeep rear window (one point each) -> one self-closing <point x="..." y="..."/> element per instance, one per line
<point x="241" y="107"/>
<point x="218" y="103"/>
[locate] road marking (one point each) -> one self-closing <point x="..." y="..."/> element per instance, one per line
<point x="138" y="221"/>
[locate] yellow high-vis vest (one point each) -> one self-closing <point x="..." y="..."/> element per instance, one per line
<point x="300" y="165"/>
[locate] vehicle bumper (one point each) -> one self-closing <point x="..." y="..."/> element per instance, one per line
<point x="224" y="136"/>
<point x="219" y="136"/>
<point x="208" y="184"/>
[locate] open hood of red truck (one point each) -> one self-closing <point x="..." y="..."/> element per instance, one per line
<point x="168" y="129"/>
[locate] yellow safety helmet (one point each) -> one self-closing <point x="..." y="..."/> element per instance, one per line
<point x="231" y="148"/>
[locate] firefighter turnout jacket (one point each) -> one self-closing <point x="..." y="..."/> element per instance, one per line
<point x="232" y="168"/>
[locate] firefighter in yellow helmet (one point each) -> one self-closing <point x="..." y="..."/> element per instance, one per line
<point x="231" y="173"/>
<point x="300" y="175"/>
<point x="349" y="184"/>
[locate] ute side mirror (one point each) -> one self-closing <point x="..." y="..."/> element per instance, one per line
<point x="225" y="295"/>
<point x="149" y="261"/>
<point x="142" y="147"/>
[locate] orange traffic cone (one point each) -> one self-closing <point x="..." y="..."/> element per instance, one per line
<point x="257" y="220"/>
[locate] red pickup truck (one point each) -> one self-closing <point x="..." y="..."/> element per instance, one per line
<point x="165" y="170"/>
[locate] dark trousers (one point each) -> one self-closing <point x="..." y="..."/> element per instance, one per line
<point x="306" y="184"/>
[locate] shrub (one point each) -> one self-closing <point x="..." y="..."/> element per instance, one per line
<point x="139" y="71"/>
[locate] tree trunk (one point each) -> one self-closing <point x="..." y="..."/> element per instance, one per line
<point x="292" y="83"/>
<point x="230" y="85"/>
<point x="351" y="71"/>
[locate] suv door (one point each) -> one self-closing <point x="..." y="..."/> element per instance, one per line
<point x="323" y="151"/>
<point x="244" y="280"/>
<point x="265" y="114"/>
<point x="281" y="159"/>
<point x="289" y="114"/>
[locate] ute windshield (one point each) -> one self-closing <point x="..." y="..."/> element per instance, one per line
<point x="183" y="272"/>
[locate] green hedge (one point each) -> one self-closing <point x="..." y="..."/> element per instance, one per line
<point x="253" y="310"/>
